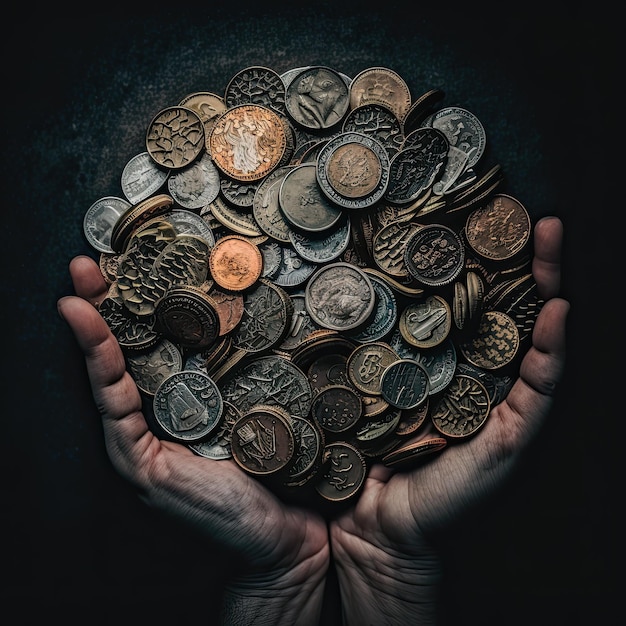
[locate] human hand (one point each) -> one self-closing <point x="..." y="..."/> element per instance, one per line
<point x="387" y="567"/>
<point x="283" y="550"/>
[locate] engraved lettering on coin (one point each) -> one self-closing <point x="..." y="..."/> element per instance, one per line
<point x="188" y="405"/>
<point x="366" y="365"/>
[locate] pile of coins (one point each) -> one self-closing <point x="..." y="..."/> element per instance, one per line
<point x="308" y="274"/>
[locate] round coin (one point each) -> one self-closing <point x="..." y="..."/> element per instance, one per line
<point x="462" y="409"/>
<point x="340" y="296"/>
<point x="262" y="441"/>
<point x="247" y="142"/>
<point x="175" y="137"/>
<point x="344" y="473"/>
<point x="405" y="384"/>
<point x="336" y="408"/>
<point x="235" y="263"/>
<point x="100" y="219"/>
<point x="188" y="406"/>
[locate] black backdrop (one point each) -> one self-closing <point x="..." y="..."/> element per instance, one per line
<point x="79" y="91"/>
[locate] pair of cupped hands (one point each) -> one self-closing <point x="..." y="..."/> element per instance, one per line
<point x="388" y="568"/>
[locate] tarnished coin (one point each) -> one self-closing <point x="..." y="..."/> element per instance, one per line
<point x="266" y="208"/>
<point x="389" y="246"/>
<point x="460" y="305"/>
<point x="266" y="318"/>
<point x="151" y="367"/>
<point x="412" y="419"/>
<point x="185" y="222"/>
<point x="376" y="429"/>
<point x="262" y="440"/>
<point x="175" y="137"/>
<point x="495" y="342"/>
<point x="405" y="384"/>
<point x="340" y="296"/>
<point x="329" y="369"/>
<point x="142" y="177"/>
<point x="218" y="446"/>
<point x="462" y="409"/>
<point x="247" y="142"/>
<point x="500" y="229"/>
<point x="463" y="130"/>
<point x="353" y="170"/>
<point x="420" y="108"/>
<point x="415" y="168"/>
<point x="196" y="185"/>
<point x="475" y="296"/>
<point x="344" y="472"/>
<point x="137" y="215"/>
<point x="377" y="121"/>
<point x="366" y="365"/>
<point x="237" y="192"/>
<point x="100" y="219"/>
<point x="131" y="331"/>
<point x="385" y="313"/>
<point x="435" y="255"/>
<point x="234" y="218"/>
<point x="427" y="322"/>
<point x="235" y="263"/>
<point x="381" y="85"/>
<point x="271" y="380"/>
<point x="336" y="408"/>
<point x="188" y="316"/>
<point x="317" y="98"/>
<point x="188" y="406"/>
<point x="309" y="442"/>
<point x="415" y="452"/>
<point x="293" y="270"/>
<point x="229" y="307"/>
<point x="322" y="247"/>
<point x="256" y="85"/>
<point x="302" y="202"/>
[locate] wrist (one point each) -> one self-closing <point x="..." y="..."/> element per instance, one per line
<point x="267" y="601"/>
<point x="388" y="589"/>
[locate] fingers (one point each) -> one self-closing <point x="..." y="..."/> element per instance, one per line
<point x="547" y="258"/>
<point x="88" y="280"/>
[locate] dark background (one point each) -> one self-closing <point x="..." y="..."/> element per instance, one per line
<point x="79" y="91"/>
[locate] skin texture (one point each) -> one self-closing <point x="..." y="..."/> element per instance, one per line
<point x="388" y="570"/>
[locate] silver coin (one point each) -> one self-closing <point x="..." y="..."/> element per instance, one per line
<point x="322" y="248"/>
<point x="317" y="98"/>
<point x="185" y="222"/>
<point x="293" y="270"/>
<point x="151" y="367"/>
<point x="266" y="208"/>
<point x="196" y="185"/>
<point x="99" y="220"/>
<point x="463" y="130"/>
<point x="340" y="296"/>
<point x="385" y="314"/>
<point x="218" y="446"/>
<point x="188" y="406"/>
<point x="404" y="384"/>
<point x="270" y="380"/>
<point x="142" y="177"/>
<point x="288" y="76"/>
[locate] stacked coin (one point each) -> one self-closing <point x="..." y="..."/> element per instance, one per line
<point x="308" y="273"/>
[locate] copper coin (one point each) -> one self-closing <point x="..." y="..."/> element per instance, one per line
<point x="500" y="229"/>
<point x="414" y="452"/>
<point x="412" y="419"/>
<point x="235" y="263"/>
<point x="247" y="142"/>
<point x="262" y="441"/>
<point x="344" y="473"/>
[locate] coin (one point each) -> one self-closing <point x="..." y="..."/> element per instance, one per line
<point x="188" y="406"/>
<point x="336" y="408"/>
<point x="247" y="142"/>
<point x="404" y="384"/>
<point x="344" y="473"/>
<point x="100" y="219"/>
<point x="262" y="441"/>
<point x="381" y="85"/>
<point x="412" y="453"/>
<point x="235" y="263"/>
